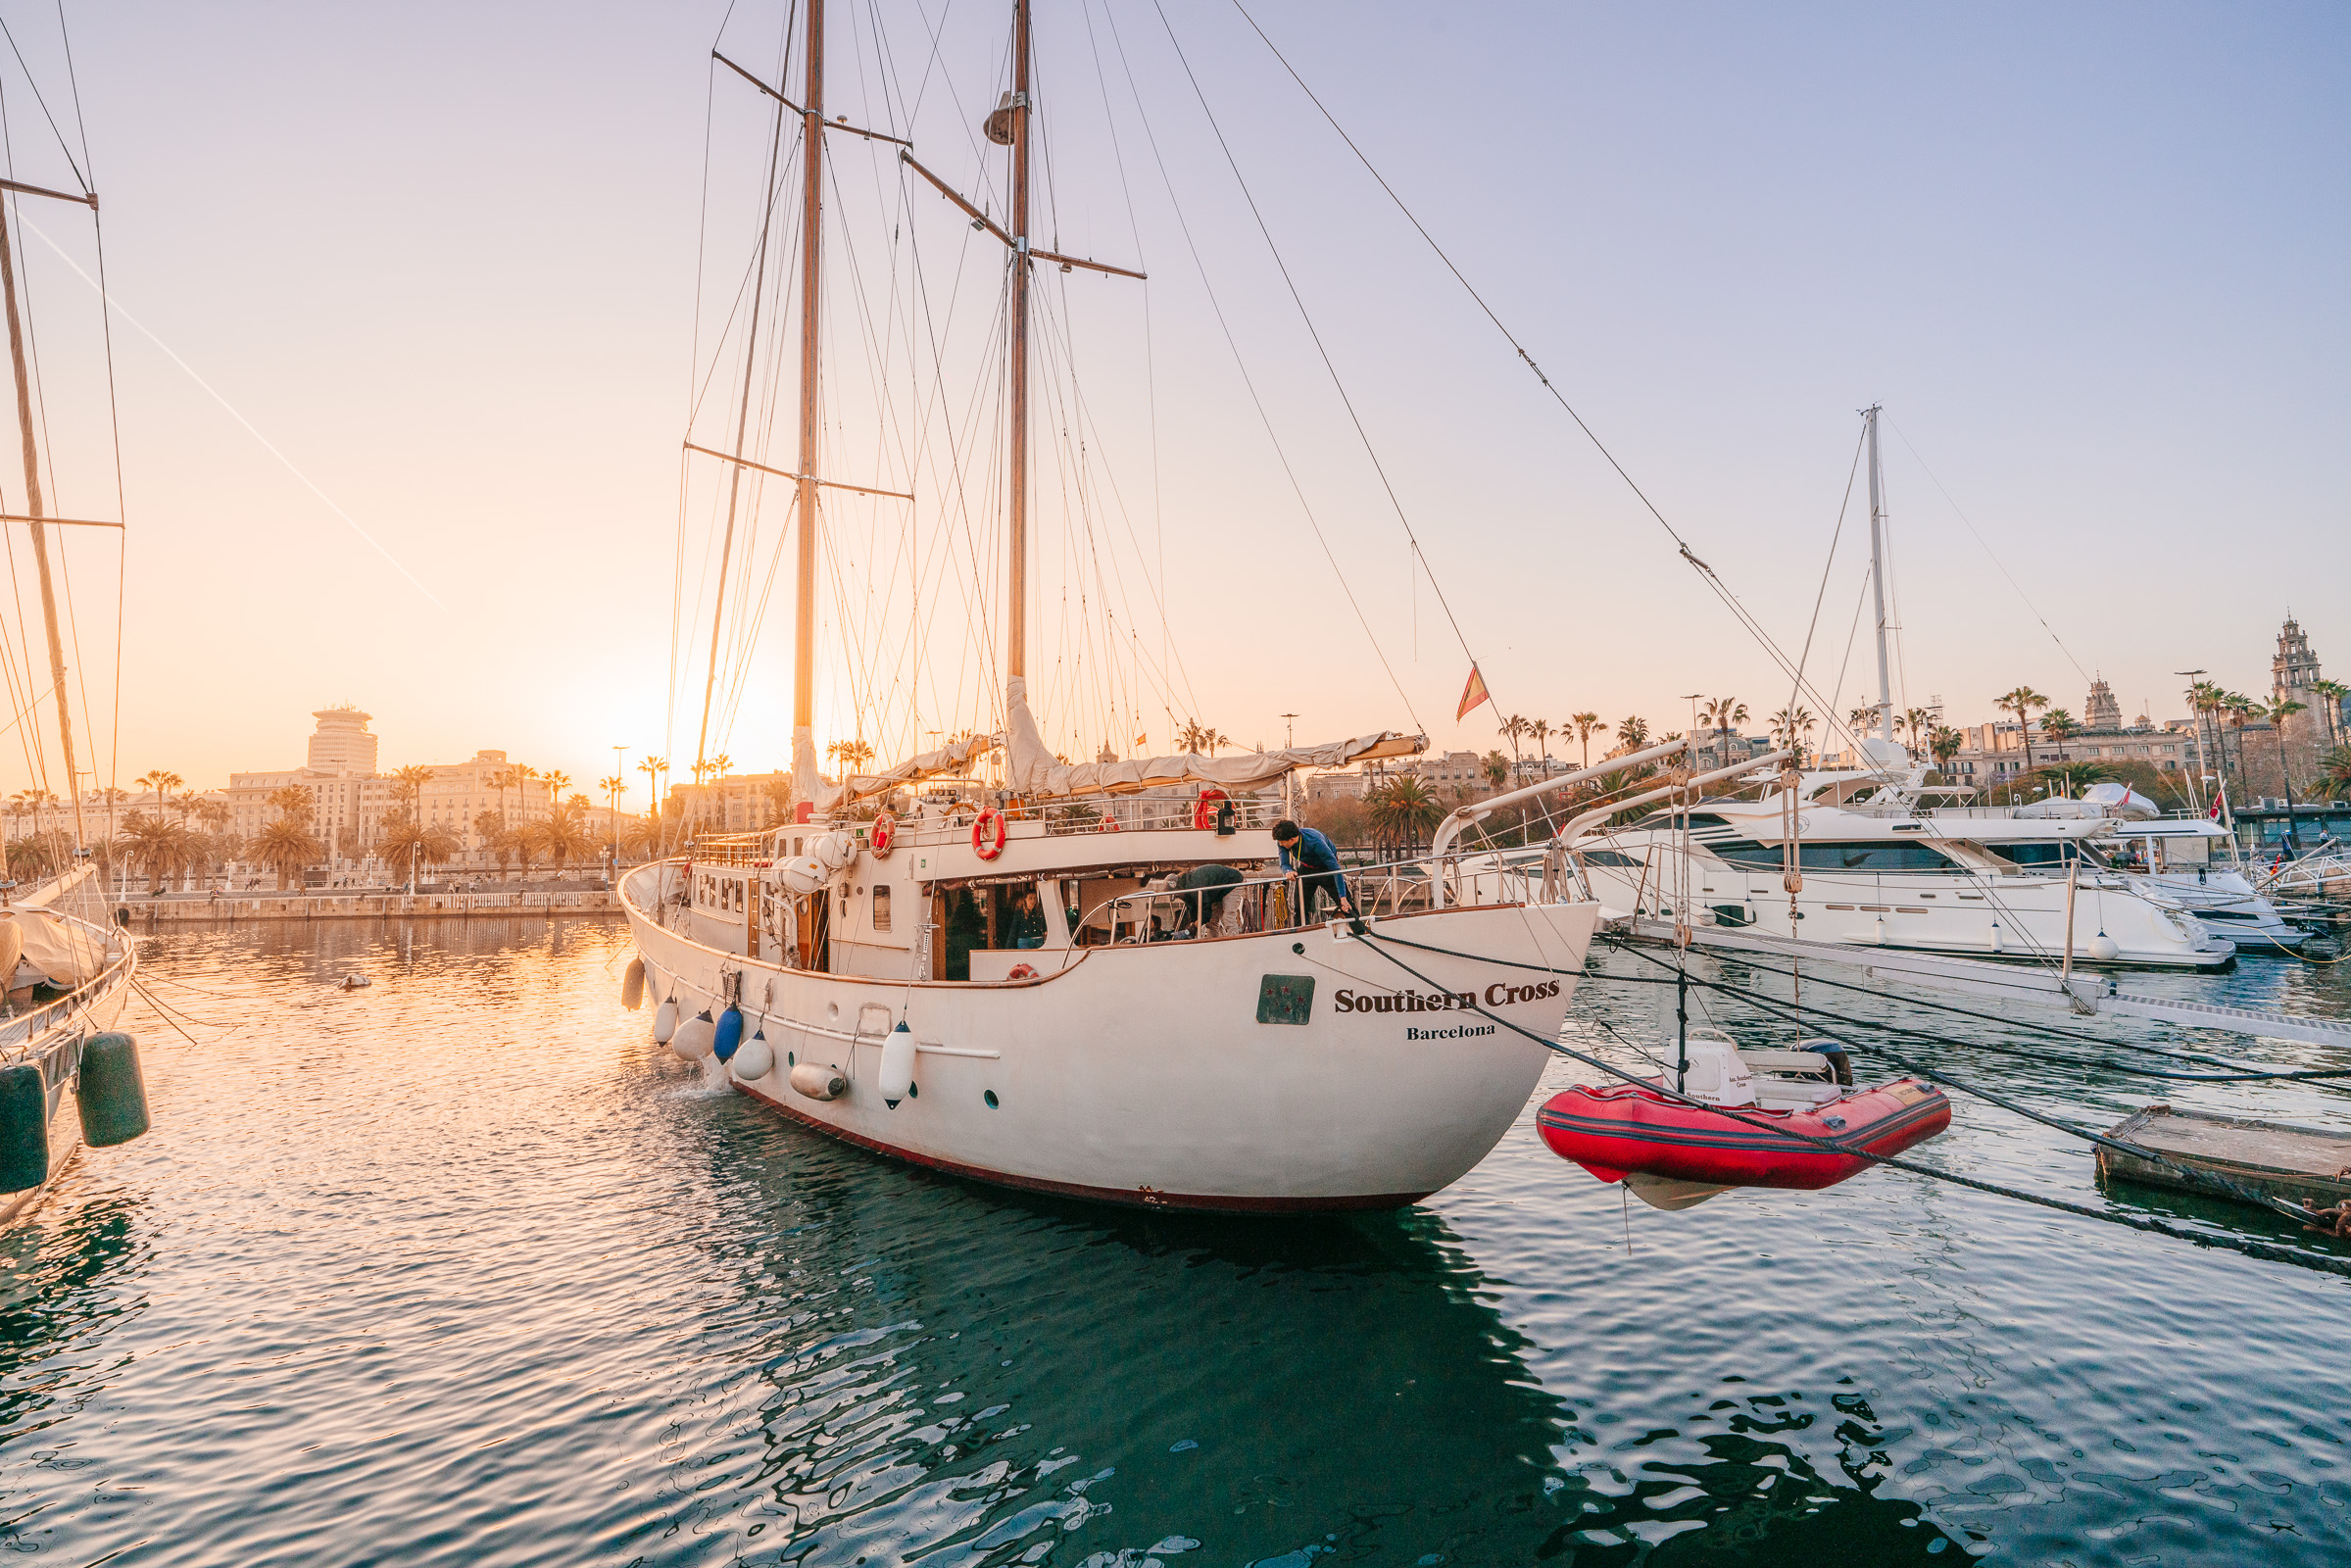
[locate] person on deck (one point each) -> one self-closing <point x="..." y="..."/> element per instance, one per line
<point x="1028" y="921"/>
<point x="1204" y="888"/>
<point x="1310" y="856"/>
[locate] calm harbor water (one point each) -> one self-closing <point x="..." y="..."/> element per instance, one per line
<point x="463" y="1268"/>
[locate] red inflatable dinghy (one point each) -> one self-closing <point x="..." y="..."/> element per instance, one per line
<point x="1623" y="1129"/>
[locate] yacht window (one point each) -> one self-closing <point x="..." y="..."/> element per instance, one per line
<point x="1608" y="857"/>
<point x="1863" y="856"/>
<point x="1697" y="820"/>
<point x="2055" y="855"/>
<point x="881" y="907"/>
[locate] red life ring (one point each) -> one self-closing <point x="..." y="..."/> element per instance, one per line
<point x="882" y="835"/>
<point x="1204" y="814"/>
<point x="988" y="834"/>
<point x="1023" y="971"/>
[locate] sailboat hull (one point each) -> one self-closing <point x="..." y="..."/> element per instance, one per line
<point x="1142" y="1074"/>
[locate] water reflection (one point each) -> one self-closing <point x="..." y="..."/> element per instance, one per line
<point x="953" y="1375"/>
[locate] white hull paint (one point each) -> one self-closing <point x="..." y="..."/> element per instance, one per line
<point x="1141" y="1074"/>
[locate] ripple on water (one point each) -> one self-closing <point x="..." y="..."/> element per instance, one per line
<point x="462" y="1268"/>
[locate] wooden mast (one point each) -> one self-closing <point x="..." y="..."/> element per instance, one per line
<point x="804" y="626"/>
<point x="40" y="534"/>
<point x="1016" y="585"/>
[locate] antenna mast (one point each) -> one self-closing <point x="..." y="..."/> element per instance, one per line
<point x="40" y="534"/>
<point x="1885" y="696"/>
<point x="1016" y="586"/>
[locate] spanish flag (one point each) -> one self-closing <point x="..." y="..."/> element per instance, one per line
<point x="1472" y="694"/>
<point x="1143" y="739"/>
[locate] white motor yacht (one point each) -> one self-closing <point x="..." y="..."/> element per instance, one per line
<point x="1874" y="864"/>
<point x="2193" y="859"/>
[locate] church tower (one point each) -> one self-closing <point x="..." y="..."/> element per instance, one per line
<point x="2101" y="710"/>
<point x="2295" y="670"/>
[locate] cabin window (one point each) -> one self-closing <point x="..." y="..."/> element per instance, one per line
<point x="738" y="896"/>
<point x="2055" y="856"/>
<point x="1865" y="857"/>
<point x="1608" y="857"/>
<point x="881" y="907"/>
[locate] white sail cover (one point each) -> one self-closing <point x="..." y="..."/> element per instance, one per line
<point x="951" y="758"/>
<point x="1034" y="772"/>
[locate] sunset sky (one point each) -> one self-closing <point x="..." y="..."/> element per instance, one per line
<point x="445" y="261"/>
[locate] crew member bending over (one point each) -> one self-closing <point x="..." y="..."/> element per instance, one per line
<point x="1308" y="855"/>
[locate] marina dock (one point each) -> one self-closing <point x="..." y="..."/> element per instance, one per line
<point x="2302" y="1165"/>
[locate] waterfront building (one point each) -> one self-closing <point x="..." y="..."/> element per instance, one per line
<point x="342" y="742"/>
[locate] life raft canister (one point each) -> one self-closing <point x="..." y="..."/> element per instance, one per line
<point x="988" y="833"/>
<point x="881" y="836"/>
<point x="1204" y="810"/>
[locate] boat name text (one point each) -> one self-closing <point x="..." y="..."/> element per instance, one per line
<point x="1500" y="993"/>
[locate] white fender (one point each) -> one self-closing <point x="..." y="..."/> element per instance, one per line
<point x="754" y="1059"/>
<point x="897" y="1065"/>
<point x="818" y="1082"/>
<point x="664" y="1021"/>
<point x="835" y="850"/>
<point x="632" y="985"/>
<point x="2104" y="949"/>
<point x="695" y="1036"/>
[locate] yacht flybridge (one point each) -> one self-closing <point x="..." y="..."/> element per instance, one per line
<point x="988" y="977"/>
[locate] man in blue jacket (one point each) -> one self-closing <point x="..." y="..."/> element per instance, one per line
<point x="1309" y="856"/>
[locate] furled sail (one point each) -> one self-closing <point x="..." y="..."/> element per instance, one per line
<point x="955" y="758"/>
<point x="1035" y="772"/>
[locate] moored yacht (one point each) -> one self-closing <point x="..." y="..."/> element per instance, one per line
<point x="988" y="977"/>
<point x="1874" y="864"/>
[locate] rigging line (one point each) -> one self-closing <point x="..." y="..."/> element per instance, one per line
<point x="1184" y="224"/>
<point x="63" y="145"/>
<point x="1296" y="299"/>
<point x="114" y="419"/>
<point x="250" y="428"/>
<point x="1721" y="589"/>
<point x="2266" y="1250"/>
<point x="1996" y="561"/>
<point x="1842" y="508"/>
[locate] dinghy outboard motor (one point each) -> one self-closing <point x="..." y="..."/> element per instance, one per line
<point x="1839" y="1063"/>
<point x="24" y="1128"/>
<point x="112" y="1092"/>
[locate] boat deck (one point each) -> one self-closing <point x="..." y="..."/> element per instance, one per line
<point x="2303" y="1164"/>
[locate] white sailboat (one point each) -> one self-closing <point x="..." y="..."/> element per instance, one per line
<point x="65" y="970"/>
<point x="1140" y="1050"/>
<point x="1865" y="855"/>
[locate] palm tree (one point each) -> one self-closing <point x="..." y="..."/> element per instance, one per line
<point x="1496" y="769"/>
<point x="1541" y="731"/>
<point x="1632" y="733"/>
<point x="285" y="847"/>
<point x="1916" y="721"/>
<point x="1587" y="725"/>
<point x="1790" y="727"/>
<point x="2023" y="702"/>
<point x="1861" y="720"/>
<point x="293" y="801"/>
<point x="1402" y="811"/>
<point x="186" y="802"/>
<point x="1722" y="715"/>
<point x="162" y="782"/>
<point x="557" y="781"/>
<point x="852" y="755"/>
<point x="2278" y="712"/>
<point x="2334" y="691"/>
<point x="162" y="850"/>
<point x="400" y="843"/>
<point x="2240" y="711"/>
<point x="1946" y="743"/>
<point x="2058" y="726"/>
<point x="563" y="835"/>
<point x="2335" y="773"/>
<point x="653" y="767"/>
<point x="1511" y="729"/>
<point x="487" y="825"/>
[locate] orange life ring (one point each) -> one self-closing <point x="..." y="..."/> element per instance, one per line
<point x="985" y="844"/>
<point x="1023" y="971"/>
<point x="1204" y="814"/>
<point x="882" y="835"/>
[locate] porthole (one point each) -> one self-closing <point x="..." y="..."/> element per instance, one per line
<point x="990" y="1096"/>
<point x="914" y="1090"/>
<point x="790" y="1059"/>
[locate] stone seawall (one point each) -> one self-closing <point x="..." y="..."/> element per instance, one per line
<point x="367" y="907"/>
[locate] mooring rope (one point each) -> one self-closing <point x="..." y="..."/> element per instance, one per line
<point x="2265" y="1250"/>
